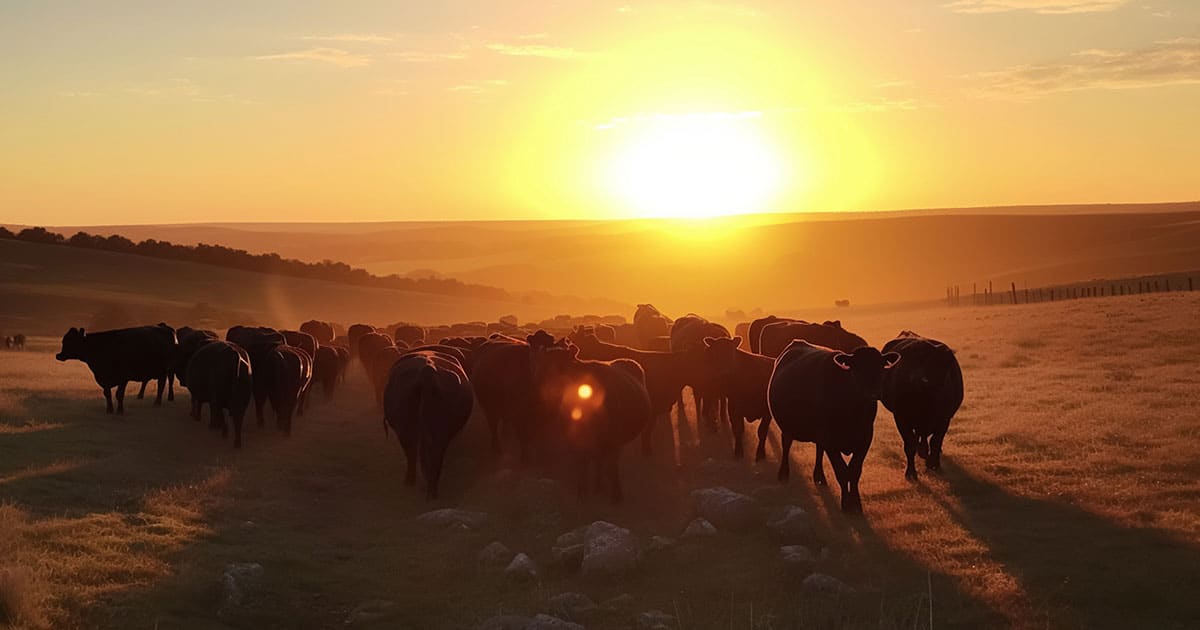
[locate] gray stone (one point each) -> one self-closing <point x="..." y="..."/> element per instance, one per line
<point x="238" y="580"/>
<point x="570" y="558"/>
<point x="452" y="518"/>
<point x="797" y="555"/>
<point x="725" y="508"/>
<point x="655" y="620"/>
<point x="608" y="550"/>
<point x="546" y="622"/>
<point x="660" y="544"/>
<point x="506" y="622"/>
<point x="699" y="528"/>
<point x="624" y="600"/>
<point x="794" y="526"/>
<point x="571" y="605"/>
<point x="495" y="556"/>
<point x="371" y="611"/>
<point x="522" y="568"/>
<point x="827" y="584"/>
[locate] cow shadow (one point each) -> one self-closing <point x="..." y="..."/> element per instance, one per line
<point x="1082" y="569"/>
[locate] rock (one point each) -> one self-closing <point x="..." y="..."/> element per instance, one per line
<point x="796" y="555"/>
<point x="546" y="622"/>
<point x="570" y="558"/>
<point x="608" y="550"/>
<point x="522" y="568"/>
<point x="573" y="537"/>
<point x="571" y="605"/>
<point x="495" y="556"/>
<point x="725" y="508"/>
<point x="655" y="620"/>
<point x="371" y="611"/>
<point x="699" y="528"/>
<point x="451" y="518"/>
<point x="794" y="526"/>
<point x="822" y="583"/>
<point x="506" y="622"/>
<point x="236" y="582"/>
<point x="659" y="544"/>
<point x="624" y="600"/>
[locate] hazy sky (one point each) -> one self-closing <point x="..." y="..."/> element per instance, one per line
<point x="167" y="111"/>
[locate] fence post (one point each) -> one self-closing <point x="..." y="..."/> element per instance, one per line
<point x="1156" y="286"/>
<point x="1190" y="284"/>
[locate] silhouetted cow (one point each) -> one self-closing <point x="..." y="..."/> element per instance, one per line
<point x="354" y="333"/>
<point x="688" y="334"/>
<point x="18" y="342"/>
<point x="503" y="382"/>
<point x="379" y="366"/>
<point x="755" y="330"/>
<point x="260" y="343"/>
<point x="650" y="324"/>
<point x="923" y="393"/>
<point x="410" y="334"/>
<point x="598" y="407"/>
<point x="287" y="371"/>
<point x="116" y="357"/>
<point x="190" y="341"/>
<point x="744" y="377"/>
<point x="322" y="332"/>
<point x="327" y="368"/>
<point x="829" y="398"/>
<point x="427" y="401"/>
<point x="219" y="374"/>
<point x="775" y="337"/>
<point x="368" y="345"/>
<point x="308" y="344"/>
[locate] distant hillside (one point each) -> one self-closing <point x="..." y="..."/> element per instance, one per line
<point x="776" y="262"/>
<point x="45" y="289"/>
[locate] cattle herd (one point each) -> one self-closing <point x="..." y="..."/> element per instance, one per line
<point x="14" y="342"/>
<point x="581" y="390"/>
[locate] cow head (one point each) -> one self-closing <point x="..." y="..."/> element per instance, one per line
<point x="866" y="366"/>
<point x="720" y="355"/>
<point x="927" y="367"/>
<point x="72" y="345"/>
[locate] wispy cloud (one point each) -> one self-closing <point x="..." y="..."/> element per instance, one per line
<point x="1036" y="6"/>
<point x="361" y="38"/>
<point x="478" y="87"/>
<point x="535" y="50"/>
<point x="424" y="56"/>
<point x="1167" y="62"/>
<point x="332" y="56"/>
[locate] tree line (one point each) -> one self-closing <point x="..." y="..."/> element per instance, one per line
<point x="221" y="256"/>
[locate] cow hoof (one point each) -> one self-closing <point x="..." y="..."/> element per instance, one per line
<point x="820" y="481"/>
<point x="851" y="505"/>
<point x="910" y="474"/>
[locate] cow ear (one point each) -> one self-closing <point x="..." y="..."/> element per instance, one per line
<point x="708" y="341"/>
<point x="574" y="350"/>
<point x="840" y="359"/>
<point x="81" y="333"/>
<point x="737" y="341"/>
<point x="890" y="360"/>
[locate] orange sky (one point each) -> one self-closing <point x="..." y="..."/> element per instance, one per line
<point x="136" y="112"/>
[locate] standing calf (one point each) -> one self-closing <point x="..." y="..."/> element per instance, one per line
<point x="923" y="394"/>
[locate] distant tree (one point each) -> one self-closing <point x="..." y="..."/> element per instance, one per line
<point x="40" y="235"/>
<point x="6" y="233"/>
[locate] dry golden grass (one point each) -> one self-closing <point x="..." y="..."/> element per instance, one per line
<point x="1071" y="498"/>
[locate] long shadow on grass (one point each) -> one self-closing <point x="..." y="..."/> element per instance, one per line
<point x="1101" y="573"/>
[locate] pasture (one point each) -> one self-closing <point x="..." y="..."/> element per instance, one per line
<point x="1070" y="498"/>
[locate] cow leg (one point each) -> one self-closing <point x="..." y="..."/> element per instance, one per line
<point x="922" y="446"/>
<point x="842" y="472"/>
<point x="237" y="417"/>
<point x="785" y="467"/>
<point x="260" y="399"/>
<point x="818" y="468"/>
<point x="121" y="398"/>
<point x="431" y="467"/>
<point x="764" y="429"/>
<point x="934" y="461"/>
<point x="108" y="406"/>
<point x="170" y="387"/>
<point x="161" y="385"/>
<point x="217" y="419"/>
<point x="737" y="426"/>
<point x="411" y="455"/>
<point x="910" y="448"/>
<point x="854" y="474"/>
<point x="648" y="433"/>
<point x="142" y="391"/>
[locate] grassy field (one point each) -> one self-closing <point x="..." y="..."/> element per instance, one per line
<point x="1070" y="499"/>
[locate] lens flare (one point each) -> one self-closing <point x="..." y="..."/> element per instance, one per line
<point x="585" y="391"/>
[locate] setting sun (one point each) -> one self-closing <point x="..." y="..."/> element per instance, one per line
<point x="696" y="165"/>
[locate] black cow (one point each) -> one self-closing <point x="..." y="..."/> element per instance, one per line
<point x="260" y="342"/>
<point x="189" y="342"/>
<point x="219" y="374"/>
<point x="308" y="344"/>
<point x="116" y="357"/>
<point x="666" y="373"/>
<point x="923" y="393"/>
<point x="775" y="337"/>
<point x="287" y="371"/>
<point x="379" y="367"/>
<point x="354" y="333"/>
<point x="168" y="333"/>
<point x="650" y="324"/>
<point x="687" y="335"/>
<point x="368" y="345"/>
<point x="829" y="398"/>
<point x="755" y="330"/>
<point x="410" y="334"/>
<point x="744" y="378"/>
<point x="503" y="382"/>
<point x="427" y="401"/>
<point x="321" y="331"/>
<point x="596" y="406"/>
<point x="327" y="368"/>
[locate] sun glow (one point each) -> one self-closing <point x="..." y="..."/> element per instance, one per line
<point x="695" y="166"/>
